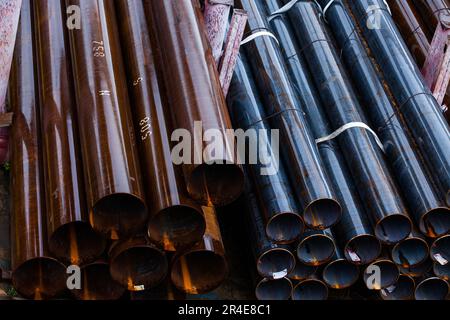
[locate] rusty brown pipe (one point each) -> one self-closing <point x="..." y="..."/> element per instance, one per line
<point x="137" y="264"/>
<point x="403" y="289"/>
<point x="195" y="94"/>
<point x="108" y="148"/>
<point x="97" y="284"/>
<point x="71" y="238"/>
<point x="310" y="289"/>
<point x="35" y="274"/>
<point x="176" y="221"/>
<point x="433" y="12"/>
<point x="270" y="289"/>
<point x="203" y="267"/>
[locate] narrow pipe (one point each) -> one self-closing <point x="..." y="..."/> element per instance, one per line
<point x="275" y="195"/>
<point x="97" y="284"/>
<point x="418" y="270"/>
<point x="366" y="162"/>
<point x="354" y="230"/>
<point x="111" y="167"/>
<point x="419" y="108"/>
<point x="403" y="289"/>
<point x="136" y="264"/>
<point x="432" y="289"/>
<point x="412" y="251"/>
<point x="203" y="267"/>
<point x="269" y="289"/>
<point x="315" y="247"/>
<point x="175" y="220"/>
<point x="298" y="150"/>
<point x="310" y="289"/>
<point x="195" y="91"/>
<point x="388" y="274"/>
<point x="71" y="238"/>
<point x="429" y="212"/>
<point x="440" y="250"/>
<point x="340" y="273"/>
<point x="35" y="274"/>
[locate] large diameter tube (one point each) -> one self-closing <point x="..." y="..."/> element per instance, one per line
<point x="316" y="247"/>
<point x="175" y="220"/>
<point x="432" y="289"/>
<point x="364" y="157"/>
<point x="299" y="151"/>
<point x="381" y="274"/>
<point x="430" y="213"/>
<point x="277" y="201"/>
<point x="419" y="108"/>
<point x="403" y="289"/>
<point x="197" y="101"/>
<point x="412" y="251"/>
<point x="203" y="267"/>
<point x="354" y="230"/>
<point x="110" y="160"/>
<point x="71" y="238"/>
<point x="35" y="274"/>
<point x="340" y="273"/>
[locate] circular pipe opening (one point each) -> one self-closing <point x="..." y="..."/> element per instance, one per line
<point x="362" y="249"/>
<point x="139" y="268"/>
<point x="410" y="252"/>
<point x="418" y="270"/>
<point x="340" y="274"/>
<point x="280" y="289"/>
<point x="220" y="184"/>
<point x="387" y="272"/>
<point x="322" y="214"/>
<point x="316" y="250"/>
<point x="198" y="272"/>
<point x="442" y="271"/>
<point x="97" y="284"/>
<point x="436" y="222"/>
<point x="76" y="243"/>
<point x="310" y="289"/>
<point x="275" y="263"/>
<point x="302" y="271"/>
<point x="285" y="227"/>
<point x="440" y="250"/>
<point x="432" y="289"/>
<point x="402" y="290"/>
<point x="119" y="215"/>
<point x="177" y="227"/>
<point x="393" y="228"/>
<point x="40" y="278"/>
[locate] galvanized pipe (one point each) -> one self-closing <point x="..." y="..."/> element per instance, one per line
<point x="428" y="210"/>
<point x="310" y="289"/>
<point x="354" y="231"/>
<point x="275" y="195"/>
<point x="403" y="289"/>
<point x="71" y="238"/>
<point x="299" y="151"/>
<point x="108" y="148"/>
<point x="137" y="264"/>
<point x="175" y="220"/>
<point x="365" y="159"/>
<point x="416" y="104"/>
<point x="195" y="91"/>
<point x="35" y="274"/>
<point x="270" y="289"/>
<point x="203" y="267"/>
<point x="316" y="247"/>
<point x="432" y="289"/>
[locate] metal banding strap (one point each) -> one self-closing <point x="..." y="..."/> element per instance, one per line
<point x="261" y="33"/>
<point x="387" y="6"/>
<point x="288" y="6"/>
<point x="324" y="10"/>
<point x="351" y="125"/>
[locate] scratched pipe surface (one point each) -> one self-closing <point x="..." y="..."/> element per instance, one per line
<point x="354" y="231"/>
<point x="365" y="160"/>
<point x="298" y="148"/>
<point x="108" y="147"/>
<point x="419" y="108"/>
<point x="434" y="12"/>
<point x="195" y="95"/>
<point x="277" y="201"/>
<point x="203" y="267"/>
<point x="429" y="212"/>
<point x="403" y="289"/>
<point x="35" y="274"/>
<point x="71" y="238"/>
<point x="273" y="261"/>
<point x="175" y="220"/>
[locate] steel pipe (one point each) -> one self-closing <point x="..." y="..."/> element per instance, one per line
<point x="432" y="289"/>
<point x="442" y="271"/>
<point x="137" y="264"/>
<point x="310" y="289"/>
<point x="270" y="289"/>
<point x="35" y="274"/>
<point x="175" y="220"/>
<point x="340" y="273"/>
<point x="412" y="251"/>
<point x="434" y="12"/>
<point x="203" y="267"/>
<point x="111" y="167"/>
<point x="388" y="274"/>
<point x="71" y="238"/>
<point x="195" y="93"/>
<point x="275" y="195"/>
<point x="403" y="289"/>
<point x="440" y="250"/>
<point x="429" y="212"/>
<point x="315" y="247"/>
<point x="416" y="104"/>
<point x="418" y="270"/>
<point x="301" y="271"/>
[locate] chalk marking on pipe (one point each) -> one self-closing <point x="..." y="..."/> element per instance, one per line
<point x="280" y="274"/>
<point x="257" y="35"/>
<point x="351" y="125"/>
<point x="353" y="256"/>
<point x="104" y="92"/>
<point x="440" y="259"/>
